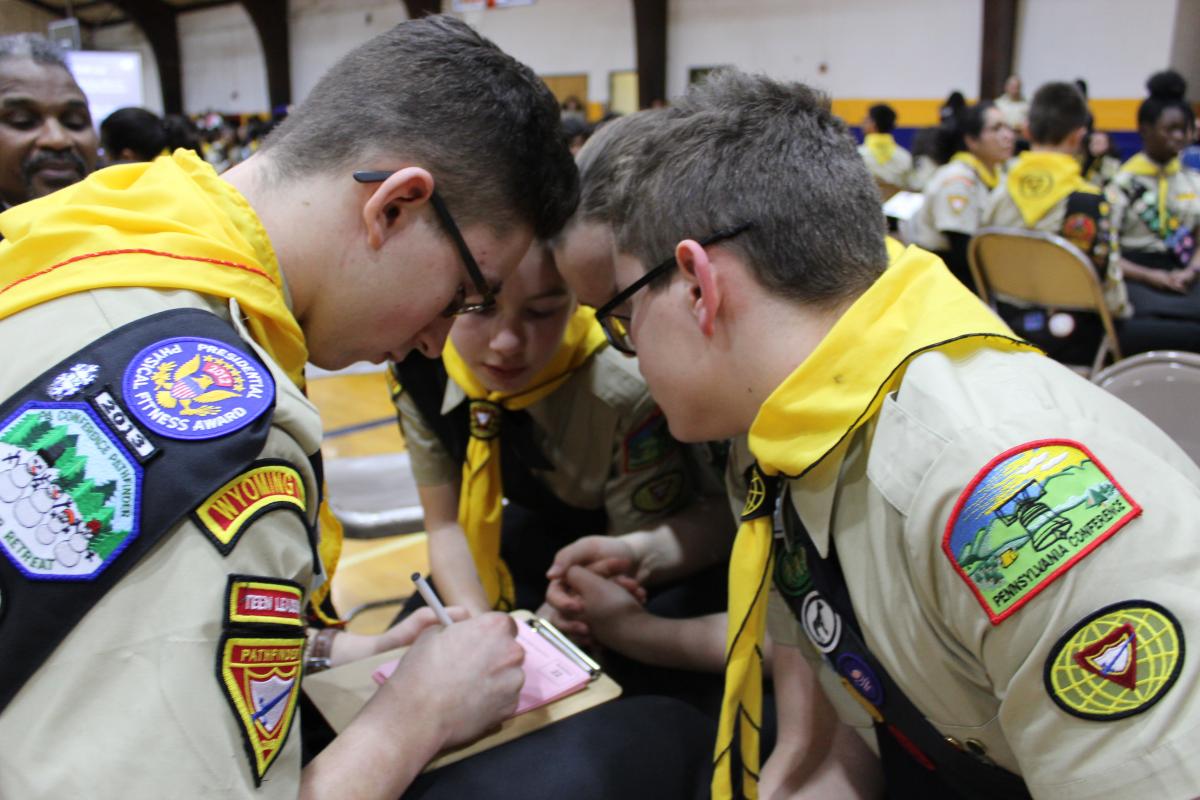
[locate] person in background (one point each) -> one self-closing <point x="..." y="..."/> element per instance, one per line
<point x="1013" y="106"/>
<point x="957" y="193"/>
<point x="46" y="136"/>
<point x="887" y="161"/>
<point x="1155" y="207"/>
<point x="931" y="148"/>
<point x="181" y="132"/>
<point x="1100" y="159"/>
<point x="133" y="134"/>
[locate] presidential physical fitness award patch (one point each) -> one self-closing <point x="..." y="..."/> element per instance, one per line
<point x="1027" y="517"/>
<point x="1116" y="662"/>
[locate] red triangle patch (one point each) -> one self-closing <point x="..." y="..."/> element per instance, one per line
<point x="1113" y="658"/>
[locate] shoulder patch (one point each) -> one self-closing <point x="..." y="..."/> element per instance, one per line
<point x="1116" y="662"/>
<point x="188" y="387"/>
<point x="659" y="494"/>
<point x="72" y="382"/>
<point x="1027" y="517"/>
<point x="70" y="494"/>
<point x="267" y="485"/>
<point x="957" y="202"/>
<point x="648" y="444"/>
<point x="264" y="601"/>
<point x="260" y="677"/>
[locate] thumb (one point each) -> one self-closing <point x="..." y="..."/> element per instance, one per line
<point x="578" y="552"/>
<point x="585" y="581"/>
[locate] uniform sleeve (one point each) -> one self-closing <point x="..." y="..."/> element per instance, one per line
<point x="431" y="464"/>
<point x="1064" y="571"/>
<point x="956" y="207"/>
<point x="138" y="700"/>
<point x="1116" y="194"/>
<point x="651" y="474"/>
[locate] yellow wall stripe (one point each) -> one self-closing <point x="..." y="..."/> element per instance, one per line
<point x="1112" y="114"/>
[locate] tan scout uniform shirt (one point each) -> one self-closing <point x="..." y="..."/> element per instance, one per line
<point x="954" y="200"/>
<point x="896" y="170"/>
<point x="585" y="430"/>
<point x="885" y="499"/>
<point x="129" y="705"/>
<point x="1015" y="112"/>
<point x="1133" y="214"/>
<point x="1001" y="212"/>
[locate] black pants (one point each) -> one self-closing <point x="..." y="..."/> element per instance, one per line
<point x="1139" y="334"/>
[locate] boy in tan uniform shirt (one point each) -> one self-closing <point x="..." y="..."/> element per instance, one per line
<point x="967" y="529"/>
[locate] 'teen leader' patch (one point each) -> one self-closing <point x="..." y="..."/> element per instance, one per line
<point x="69" y="492"/>
<point x="1027" y="517"/>
<point x="188" y="387"/>
<point x="1116" y="662"/>
<point x="268" y="485"/>
<point x="260" y="677"/>
<point x="264" y="601"/>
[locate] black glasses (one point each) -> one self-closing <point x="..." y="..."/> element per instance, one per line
<point x="616" y="326"/>
<point x="458" y="305"/>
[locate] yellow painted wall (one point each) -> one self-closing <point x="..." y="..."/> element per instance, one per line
<point x="1111" y="114"/>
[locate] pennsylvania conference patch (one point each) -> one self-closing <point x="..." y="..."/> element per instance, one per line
<point x="1116" y="662"/>
<point x="1027" y="517"/>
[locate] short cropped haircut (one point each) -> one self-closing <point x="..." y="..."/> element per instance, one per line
<point x="33" y="46"/>
<point x="1057" y="111"/>
<point x="434" y="91"/>
<point x="884" y="117"/>
<point x="135" y="129"/>
<point x="744" y="149"/>
<point x="603" y="160"/>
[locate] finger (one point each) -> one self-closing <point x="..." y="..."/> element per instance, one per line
<point x="581" y="551"/>
<point x="457" y="613"/>
<point x="631" y="586"/>
<point x="558" y="596"/>
<point x="608" y="567"/>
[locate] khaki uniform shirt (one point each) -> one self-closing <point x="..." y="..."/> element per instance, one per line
<point x="1001" y="212"/>
<point x="894" y="171"/>
<point x="601" y="431"/>
<point x="129" y="705"/>
<point x="954" y="201"/>
<point x="1134" y="203"/>
<point x="1015" y="112"/>
<point x="886" y="498"/>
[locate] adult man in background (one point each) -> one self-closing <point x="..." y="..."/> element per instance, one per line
<point x="164" y="531"/>
<point x="46" y="136"/>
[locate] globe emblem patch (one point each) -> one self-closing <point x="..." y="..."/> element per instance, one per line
<point x="188" y="387"/>
<point x="1116" y="662"/>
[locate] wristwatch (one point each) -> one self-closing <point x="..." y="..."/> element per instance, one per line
<point x="320" y="646"/>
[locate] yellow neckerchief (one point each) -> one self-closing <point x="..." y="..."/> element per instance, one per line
<point x="1141" y="164"/>
<point x="1041" y="179"/>
<point x="881" y="146"/>
<point x="481" y="493"/>
<point x="166" y="224"/>
<point x="989" y="178"/>
<point x="914" y="306"/>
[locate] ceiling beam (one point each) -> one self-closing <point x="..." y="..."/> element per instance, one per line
<point x="650" y="34"/>
<point x="157" y="21"/>
<point x="422" y="8"/>
<point x="270" y="20"/>
<point x="999" y="46"/>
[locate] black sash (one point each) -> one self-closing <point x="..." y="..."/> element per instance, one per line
<point x="918" y="761"/>
<point x="177" y="475"/>
<point x="424" y="379"/>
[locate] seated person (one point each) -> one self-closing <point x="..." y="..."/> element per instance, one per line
<point x="1044" y="191"/>
<point x="529" y="404"/>
<point x="1155" y="208"/>
<point x="1101" y="159"/>
<point x="133" y="134"/>
<point x="931" y="148"/>
<point x="887" y="161"/>
<point x="957" y="192"/>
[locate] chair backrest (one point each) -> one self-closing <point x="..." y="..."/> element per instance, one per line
<point x="1165" y="386"/>
<point x="1041" y="269"/>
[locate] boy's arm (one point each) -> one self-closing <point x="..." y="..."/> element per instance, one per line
<point x="450" y="559"/>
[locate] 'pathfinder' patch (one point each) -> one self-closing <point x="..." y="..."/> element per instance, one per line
<point x="658" y="494"/>
<point x="1116" y="662"/>
<point x="1030" y="515"/>
<point x="264" y="601"/>
<point x="266" y="486"/>
<point x="648" y="443"/>
<point x="188" y="387"/>
<point x="69" y="493"/>
<point x="261" y="679"/>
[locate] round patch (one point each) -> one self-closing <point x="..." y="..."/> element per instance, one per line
<point x="484" y="419"/>
<point x="188" y="387"/>
<point x="1080" y="230"/>
<point x="659" y="494"/>
<point x="791" y="572"/>
<point x="1116" y="662"/>
<point x="69" y="493"/>
<point x="860" y="675"/>
<point x="822" y="624"/>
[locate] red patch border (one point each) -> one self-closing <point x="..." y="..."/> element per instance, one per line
<point x="996" y="619"/>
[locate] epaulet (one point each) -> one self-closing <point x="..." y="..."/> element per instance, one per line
<point x="102" y="454"/>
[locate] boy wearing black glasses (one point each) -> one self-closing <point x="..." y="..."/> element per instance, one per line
<point x="947" y="533"/>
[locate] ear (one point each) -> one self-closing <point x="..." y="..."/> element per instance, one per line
<point x="701" y="276"/>
<point x="394" y="202"/>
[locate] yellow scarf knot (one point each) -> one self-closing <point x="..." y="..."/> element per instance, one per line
<point x="1141" y="164"/>
<point x="915" y="306"/>
<point x="481" y="494"/>
<point x="882" y="146"/>
<point x="989" y="177"/>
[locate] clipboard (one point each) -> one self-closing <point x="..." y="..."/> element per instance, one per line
<point x="340" y="693"/>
